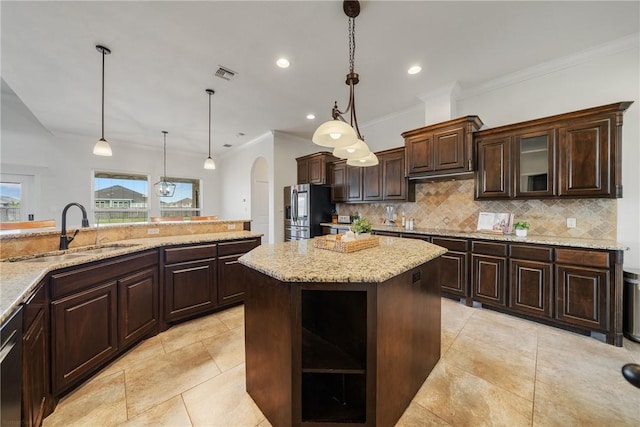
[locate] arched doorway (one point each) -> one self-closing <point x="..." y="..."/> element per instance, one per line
<point x="260" y="198"/>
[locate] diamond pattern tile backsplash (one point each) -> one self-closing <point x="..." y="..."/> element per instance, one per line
<point x="449" y="205"/>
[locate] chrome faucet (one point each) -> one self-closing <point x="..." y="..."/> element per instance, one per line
<point x="64" y="240"/>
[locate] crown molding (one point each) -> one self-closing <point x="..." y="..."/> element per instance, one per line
<point x="632" y="41"/>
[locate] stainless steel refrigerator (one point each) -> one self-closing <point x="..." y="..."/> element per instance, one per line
<point x="305" y="207"/>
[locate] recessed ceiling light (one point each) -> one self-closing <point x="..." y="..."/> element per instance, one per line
<point x="414" y="69"/>
<point x="283" y="63"/>
<point x="311" y="116"/>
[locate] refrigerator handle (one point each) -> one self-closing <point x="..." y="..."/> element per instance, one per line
<point x="294" y="205"/>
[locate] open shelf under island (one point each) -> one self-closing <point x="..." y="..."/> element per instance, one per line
<point x="340" y="338"/>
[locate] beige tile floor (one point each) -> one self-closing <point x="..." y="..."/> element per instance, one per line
<point x="495" y="370"/>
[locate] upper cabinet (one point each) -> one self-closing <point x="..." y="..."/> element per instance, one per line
<point x="384" y="182"/>
<point x="441" y="150"/>
<point x="569" y="155"/>
<point x="312" y="169"/>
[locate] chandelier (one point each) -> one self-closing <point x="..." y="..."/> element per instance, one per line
<point x="345" y="137"/>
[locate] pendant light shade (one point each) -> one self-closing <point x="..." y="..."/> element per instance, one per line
<point x="102" y="147"/>
<point x="163" y="188"/>
<point x="334" y="134"/>
<point x="369" y="160"/>
<point x="209" y="163"/>
<point x="356" y="151"/>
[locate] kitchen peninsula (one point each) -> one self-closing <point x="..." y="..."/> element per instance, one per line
<point x="340" y="337"/>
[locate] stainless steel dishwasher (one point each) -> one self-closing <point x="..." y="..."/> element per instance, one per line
<point x="11" y="370"/>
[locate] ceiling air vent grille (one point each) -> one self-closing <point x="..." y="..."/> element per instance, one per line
<point x="225" y="73"/>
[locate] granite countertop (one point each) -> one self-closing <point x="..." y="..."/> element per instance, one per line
<point x="19" y="276"/>
<point x="531" y="238"/>
<point x="299" y="261"/>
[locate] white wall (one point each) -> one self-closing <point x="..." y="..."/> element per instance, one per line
<point x="386" y="132"/>
<point x="63" y="164"/>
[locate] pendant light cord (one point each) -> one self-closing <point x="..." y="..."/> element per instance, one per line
<point x="103" y="93"/>
<point x="352" y="43"/>
<point x="164" y="179"/>
<point x="209" y="124"/>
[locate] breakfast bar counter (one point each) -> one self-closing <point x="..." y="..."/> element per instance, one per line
<point x="336" y="337"/>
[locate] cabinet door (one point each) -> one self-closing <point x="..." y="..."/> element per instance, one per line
<point x="419" y="151"/>
<point x="339" y="182"/>
<point x="190" y="288"/>
<point x="303" y="171"/>
<point x="372" y="182"/>
<point x="488" y="279"/>
<point x="138" y="305"/>
<point x="493" y="178"/>
<point x="84" y="334"/>
<point x="448" y="149"/>
<point x="584" y="159"/>
<point x="316" y="172"/>
<point x="534" y="164"/>
<point x="35" y="379"/>
<point x="394" y="184"/>
<point x="530" y="289"/>
<point x="453" y="273"/>
<point x="231" y="279"/>
<point x="354" y="184"/>
<point x="582" y="296"/>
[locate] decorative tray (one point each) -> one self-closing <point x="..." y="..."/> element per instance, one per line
<point x="334" y="243"/>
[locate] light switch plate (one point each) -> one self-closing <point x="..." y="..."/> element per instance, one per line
<point x="153" y="231"/>
<point x="571" y="223"/>
<point x="231" y="226"/>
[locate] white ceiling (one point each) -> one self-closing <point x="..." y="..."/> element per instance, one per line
<point x="164" y="55"/>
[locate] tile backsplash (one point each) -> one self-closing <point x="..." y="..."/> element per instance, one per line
<point x="449" y="205"/>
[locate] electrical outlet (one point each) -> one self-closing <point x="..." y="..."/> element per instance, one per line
<point x="153" y="231"/>
<point x="571" y="223"/>
<point x="231" y="226"/>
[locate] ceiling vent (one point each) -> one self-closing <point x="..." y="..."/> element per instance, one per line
<point x="227" y="145"/>
<point x="225" y="73"/>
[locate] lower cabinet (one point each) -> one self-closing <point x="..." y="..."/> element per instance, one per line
<point x="489" y="273"/>
<point x="231" y="275"/>
<point x="97" y="311"/>
<point x="531" y="284"/>
<point x="189" y="288"/>
<point x="453" y="270"/>
<point x="37" y="401"/>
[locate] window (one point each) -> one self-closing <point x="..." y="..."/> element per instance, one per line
<point x="10" y="201"/>
<point x="185" y="201"/>
<point x="120" y="197"/>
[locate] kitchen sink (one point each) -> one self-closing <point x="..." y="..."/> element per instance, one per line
<point x="53" y="258"/>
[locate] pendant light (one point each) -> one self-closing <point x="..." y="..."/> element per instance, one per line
<point x="102" y="147"/>
<point x="344" y="137"/>
<point x="209" y="163"/>
<point x="163" y="188"/>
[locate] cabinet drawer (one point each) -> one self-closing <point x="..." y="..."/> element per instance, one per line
<point x="189" y="253"/>
<point x="237" y="247"/>
<point x="459" y="245"/>
<point x="78" y="278"/>
<point x="582" y="257"/>
<point x="532" y="253"/>
<point x="496" y="249"/>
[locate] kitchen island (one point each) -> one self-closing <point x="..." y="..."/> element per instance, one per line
<point x="343" y="338"/>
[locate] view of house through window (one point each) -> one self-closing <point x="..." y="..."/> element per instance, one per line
<point x="10" y="201"/>
<point x="185" y="201"/>
<point x="120" y="197"/>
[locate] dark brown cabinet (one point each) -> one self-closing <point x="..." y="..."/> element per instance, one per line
<point x="489" y="273"/>
<point x="231" y="275"/>
<point x="441" y="149"/>
<point x="138" y="306"/>
<point x="84" y="333"/>
<point x="385" y="181"/>
<point x="583" y="288"/>
<point x="190" y="281"/>
<point x="37" y="401"/>
<point x="574" y="155"/>
<point x="454" y="266"/>
<point x="531" y="284"/>
<point x="312" y="169"/>
<point x="97" y="310"/>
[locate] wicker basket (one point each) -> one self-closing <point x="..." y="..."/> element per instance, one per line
<point x="330" y="243"/>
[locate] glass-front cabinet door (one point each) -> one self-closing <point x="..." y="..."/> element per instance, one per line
<point x="534" y="164"/>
